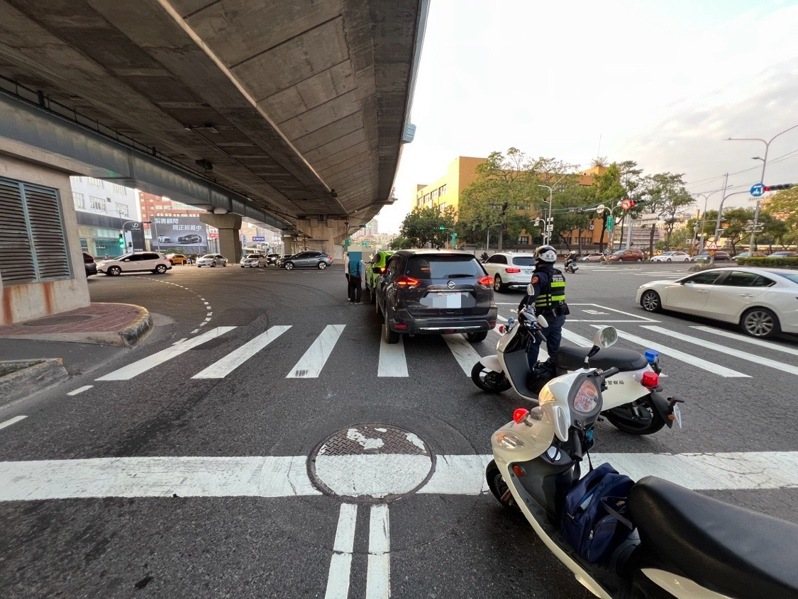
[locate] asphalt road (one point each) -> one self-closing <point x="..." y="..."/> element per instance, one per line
<point x="180" y="468"/>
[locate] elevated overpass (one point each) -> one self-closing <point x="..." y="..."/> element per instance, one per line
<point x="289" y="113"/>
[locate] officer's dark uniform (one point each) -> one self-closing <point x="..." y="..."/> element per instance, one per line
<point x="549" y="300"/>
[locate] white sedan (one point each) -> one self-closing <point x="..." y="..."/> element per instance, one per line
<point x="762" y="301"/>
<point x="672" y="256"/>
<point x="508" y="269"/>
<point x="211" y="260"/>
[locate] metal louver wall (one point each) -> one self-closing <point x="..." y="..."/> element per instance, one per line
<point x="32" y="240"/>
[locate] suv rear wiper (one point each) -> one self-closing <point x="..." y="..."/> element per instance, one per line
<point x="458" y="276"/>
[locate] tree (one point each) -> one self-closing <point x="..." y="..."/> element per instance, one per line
<point x="608" y="191"/>
<point x="736" y="221"/>
<point x="429" y="225"/>
<point x="576" y="199"/>
<point x="667" y="197"/>
<point x="782" y="207"/>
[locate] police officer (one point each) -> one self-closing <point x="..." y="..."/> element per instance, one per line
<point x="549" y="300"/>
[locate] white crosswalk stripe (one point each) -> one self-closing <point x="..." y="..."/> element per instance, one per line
<point x="312" y="362"/>
<point x="136" y="368"/>
<point x="392" y="361"/>
<point x="725" y="349"/>
<point x="690" y="359"/>
<point x="221" y="368"/>
<point x="463" y="352"/>
<point x="745" y="339"/>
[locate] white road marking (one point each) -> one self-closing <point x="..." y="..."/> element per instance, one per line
<point x="372" y="475"/>
<point x="221" y="368"/>
<point x="136" y="368"/>
<point x="682" y="356"/>
<point x="462" y="351"/>
<point x="343" y="547"/>
<point x="636" y="317"/>
<point x="392" y="361"/>
<point x="79" y="390"/>
<point x="746" y="339"/>
<point x="577" y="339"/>
<point x="11" y="421"/>
<point x="314" y="359"/>
<point x="286" y="476"/>
<point x="378" y="577"/>
<point x="726" y="350"/>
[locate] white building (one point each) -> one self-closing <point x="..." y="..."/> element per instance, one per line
<point x="105" y="210"/>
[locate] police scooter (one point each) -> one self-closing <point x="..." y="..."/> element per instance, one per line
<point x="660" y="539"/>
<point x="633" y="402"/>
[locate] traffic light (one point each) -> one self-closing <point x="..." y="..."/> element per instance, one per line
<point x="441" y="227"/>
<point x="778" y="187"/>
<point x="122" y="240"/>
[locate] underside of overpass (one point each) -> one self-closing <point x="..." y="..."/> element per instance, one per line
<point x="291" y="113"/>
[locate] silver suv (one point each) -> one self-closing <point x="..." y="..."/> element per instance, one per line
<point x="435" y="292"/>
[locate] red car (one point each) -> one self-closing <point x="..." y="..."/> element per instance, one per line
<point x="627" y="255"/>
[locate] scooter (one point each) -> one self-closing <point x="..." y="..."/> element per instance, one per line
<point x="633" y="402"/>
<point x="571" y="265"/>
<point x="674" y="542"/>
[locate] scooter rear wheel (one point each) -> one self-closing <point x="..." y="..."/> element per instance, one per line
<point x="498" y="487"/>
<point x="489" y="380"/>
<point x="637" y="418"/>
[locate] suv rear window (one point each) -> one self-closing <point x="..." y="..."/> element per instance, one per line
<point x="524" y="260"/>
<point x="443" y="267"/>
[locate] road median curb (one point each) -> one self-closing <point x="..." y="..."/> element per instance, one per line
<point x="21" y="378"/>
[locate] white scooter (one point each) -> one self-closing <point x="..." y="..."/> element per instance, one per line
<point x="677" y="543"/>
<point x="633" y="403"/>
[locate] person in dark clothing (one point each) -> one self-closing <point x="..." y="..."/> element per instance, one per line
<point x="354" y="269"/>
<point x="548" y="299"/>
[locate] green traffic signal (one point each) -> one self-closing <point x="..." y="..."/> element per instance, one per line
<point x="121" y="240"/>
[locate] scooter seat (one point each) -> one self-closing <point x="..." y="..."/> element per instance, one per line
<point x="573" y="358"/>
<point x="725" y="548"/>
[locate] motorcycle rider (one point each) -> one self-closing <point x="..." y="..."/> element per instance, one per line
<point x="570" y="261"/>
<point x="549" y="300"/>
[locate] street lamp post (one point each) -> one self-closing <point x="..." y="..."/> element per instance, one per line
<point x="764" y="160"/>
<point x="706" y="195"/>
<point x="549" y="218"/>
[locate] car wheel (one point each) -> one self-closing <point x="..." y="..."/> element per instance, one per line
<point x="639" y="260"/>
<point x="289" y="266"/>
<point x="224" y="264"/>
<point x="160" y="269"/>
<point x="498" y="487"/>
<point x="760" y="322"/>
<point x="477" y="337"/>
<point x="114" y="271"/>
<point x="322" y="265"/>
<point x="387" y="334"/>
<point x="668" y="260"/>
<point x="650" y="301"/>
<point x="497" y="283"/>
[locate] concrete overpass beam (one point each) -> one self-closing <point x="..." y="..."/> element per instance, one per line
<point x="229" y="226"/>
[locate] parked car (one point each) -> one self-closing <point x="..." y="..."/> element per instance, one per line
<point x="189" y="239"/>
<point x="211" y="260"/>
<point x="783" y="254"/>
<point x="510" y="270"/>
<point x="760" y="300"/>
<point x="164" y="239"/>
<point x="307" y="259"/>
<point x="89" y="264"/>
<point x="435" y="292"/>
<point x="253" y="261"/>
<point x="594" y="258"/>
<point x="375" y="270"/>
<point x="720" y="256"/>
<point x="672" y="256"/>
<point x="135" y="262"/>
<point x="754" y="254"/>
<point x="627" y="255"/>
<point x="177" y="258"/>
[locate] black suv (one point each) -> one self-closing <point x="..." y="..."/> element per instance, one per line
<point x="434" y="292"/>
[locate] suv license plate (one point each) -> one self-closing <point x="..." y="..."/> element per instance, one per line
<point x="447" y="300"/>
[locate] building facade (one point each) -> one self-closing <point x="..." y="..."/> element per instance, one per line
<point x="446" y="191"/>
<point x="108" y="216"/>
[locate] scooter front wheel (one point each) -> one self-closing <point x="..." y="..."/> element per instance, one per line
<point x="636" y="418"/>
<point x="489" y="380"/>
<point x="498" y="487"/>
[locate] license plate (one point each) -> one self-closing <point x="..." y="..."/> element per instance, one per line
<point x="677" y="414"/>
<point x="447" y="300"/>
<point x="526" y="271"/>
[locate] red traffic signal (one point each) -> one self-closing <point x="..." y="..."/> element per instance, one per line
<point x="778" y="187"/>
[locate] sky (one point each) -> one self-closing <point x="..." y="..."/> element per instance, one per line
<point x="663" y="83"/>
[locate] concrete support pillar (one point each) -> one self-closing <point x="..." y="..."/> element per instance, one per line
<point x="229" y="226"/>
<point x="326" y="235"/>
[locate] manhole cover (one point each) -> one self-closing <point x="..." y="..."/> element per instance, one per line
<point x="46" y="322"/>
<point x="369" y="462"/>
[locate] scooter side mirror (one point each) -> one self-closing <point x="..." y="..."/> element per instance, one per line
<point x="530" y="290"/>
<point x="605" y="337"/>
<point x="544" y="324"/>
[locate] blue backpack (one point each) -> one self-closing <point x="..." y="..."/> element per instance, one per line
<point x="594" y="520"/>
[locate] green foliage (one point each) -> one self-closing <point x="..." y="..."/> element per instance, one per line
<point x="785" y="262"/>
<point x="781" y="207"/>
<point x="400" y="243"/>
<point x="736" y="221"/>
<point x="666" y="196"/>
<point x="429" y="225"/>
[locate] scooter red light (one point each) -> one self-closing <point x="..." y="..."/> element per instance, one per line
<point x="650" y="380"/>
<point x="520" y="414"/>
<point x="519" y="470"/>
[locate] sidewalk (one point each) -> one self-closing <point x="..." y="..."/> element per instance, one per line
<point x="40" y="353"/>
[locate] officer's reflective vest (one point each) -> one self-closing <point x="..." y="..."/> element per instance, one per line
<point x="554" y="294"/>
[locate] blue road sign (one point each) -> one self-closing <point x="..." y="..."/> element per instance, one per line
<point x="258" y="238"/>
<point x="757" y="189"/>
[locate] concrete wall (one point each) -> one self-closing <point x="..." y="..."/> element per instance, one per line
<point x="26" y="301"/>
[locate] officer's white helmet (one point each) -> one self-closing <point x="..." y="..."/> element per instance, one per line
<point x="546" y="253"/>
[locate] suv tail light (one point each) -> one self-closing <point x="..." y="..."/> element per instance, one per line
<point x="512" y="269"/>
<point x="407" y="282"/>
<point x="486" y="281"/>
